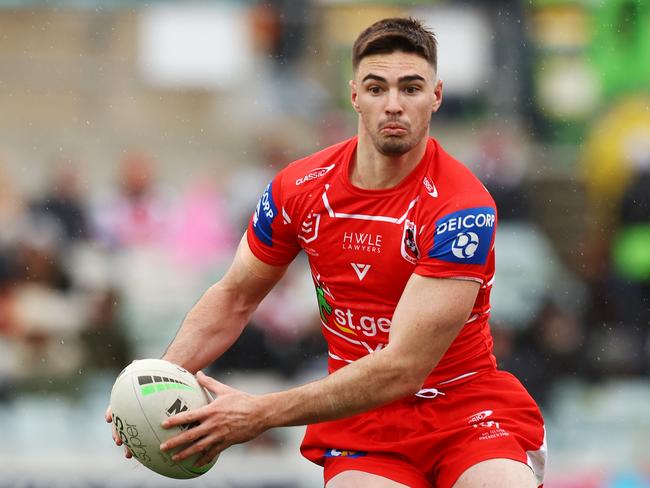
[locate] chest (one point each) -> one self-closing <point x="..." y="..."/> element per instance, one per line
<point x="366" y="244"/>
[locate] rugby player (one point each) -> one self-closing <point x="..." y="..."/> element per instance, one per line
<point x="400" y="241"/>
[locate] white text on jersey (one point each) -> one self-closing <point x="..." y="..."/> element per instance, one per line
<point x="359" y="241"/>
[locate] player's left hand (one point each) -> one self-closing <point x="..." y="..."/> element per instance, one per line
<point x="231" y="418"/>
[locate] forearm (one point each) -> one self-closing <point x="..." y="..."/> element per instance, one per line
<point x="371" y="381"/>
<point x="220" y="315"/>
<point x="417" y="341"/>
<point x="209" y="329"/>
<point x="416" y="345"/>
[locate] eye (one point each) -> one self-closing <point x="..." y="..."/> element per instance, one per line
<point x="412" y="89"/>
<point x="374" y="89"/>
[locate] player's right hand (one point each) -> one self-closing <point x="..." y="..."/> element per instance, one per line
<point x="116" y="438"/>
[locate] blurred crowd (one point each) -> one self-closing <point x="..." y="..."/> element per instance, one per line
<point x="91" y="278"/>
<point x="572" y="304"/>
<point x="89" y="282"/>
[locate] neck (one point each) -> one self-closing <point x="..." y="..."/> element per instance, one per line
<point x="372" y="170"/>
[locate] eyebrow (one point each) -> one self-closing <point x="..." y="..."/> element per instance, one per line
<point x="403" y="79"/>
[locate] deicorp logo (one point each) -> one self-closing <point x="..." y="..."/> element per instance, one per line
<point x="465" y="245"/>
<point x="464" y="236"/>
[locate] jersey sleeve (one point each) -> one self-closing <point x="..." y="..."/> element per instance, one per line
<point x="270" y="235"/>
<point x="458" y="240"/>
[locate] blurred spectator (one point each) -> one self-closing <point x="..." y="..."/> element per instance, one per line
<point x="535" y="322"/>
<point x="49" y="313"/>
<point x="617" y="161"/>
<point x="104" y="336"/>
<point x="275" y="150"/>
<point x="265" y="28"/>
<point x="631" y="261"/>
<point x="40" y="253"/>
<point x="136" y="215"/>
<point x="550" y="350"/>
<point x="8" y="325"/>
<point x="43" y="310"/>
<point x="241" y="201"/>
<point x="13" y="212"/>
<point x="529" y="271"/>
<point x="201" y="231"/>
<point x="284" y="334"/>
<point x="279" y="28"/>
<point x="613" y="142"/>
<point x="501" y="166"/>
<point x="63" y="204"/>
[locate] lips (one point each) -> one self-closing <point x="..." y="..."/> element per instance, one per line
<point x="393" y="129"/>
<point x="393" y="125"/>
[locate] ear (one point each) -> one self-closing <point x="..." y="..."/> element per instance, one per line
<point x="438" y="96"/>
<point x="353" y="96"/>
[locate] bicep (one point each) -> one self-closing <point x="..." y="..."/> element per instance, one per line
<point x="249" y="277"/>
<point x="428" y="317"/>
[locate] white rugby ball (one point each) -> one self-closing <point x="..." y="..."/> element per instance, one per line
<point x="144" y="394"/>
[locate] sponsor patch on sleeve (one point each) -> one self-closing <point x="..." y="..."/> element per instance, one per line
<point x="341" y="453"/>
<point x="265" y="214"/>
<point x="464" y="236"/>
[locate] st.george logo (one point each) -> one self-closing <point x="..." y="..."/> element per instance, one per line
<point x="409" y="246"/>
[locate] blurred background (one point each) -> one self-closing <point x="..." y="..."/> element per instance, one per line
<point x="136" y="138"/>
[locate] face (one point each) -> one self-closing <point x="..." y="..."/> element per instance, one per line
<point x="395" y="95"/>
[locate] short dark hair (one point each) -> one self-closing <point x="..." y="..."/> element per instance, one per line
<point x="396" y="34"/>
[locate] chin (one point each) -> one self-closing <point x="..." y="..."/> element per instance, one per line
<point x="394" y="147"/>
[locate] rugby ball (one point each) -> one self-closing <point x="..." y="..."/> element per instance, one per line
<point x="144" y="394"/>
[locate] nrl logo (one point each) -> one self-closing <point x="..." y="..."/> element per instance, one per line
<point x="309" y="228"/>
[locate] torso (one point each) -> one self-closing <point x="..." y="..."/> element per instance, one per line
<point x="363" y="245"/>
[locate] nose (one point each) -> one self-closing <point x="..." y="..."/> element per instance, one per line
<point x="393" y="104"/>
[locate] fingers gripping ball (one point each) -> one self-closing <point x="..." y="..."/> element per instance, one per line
<point x="145" y="393"/>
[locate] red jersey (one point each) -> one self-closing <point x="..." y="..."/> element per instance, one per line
<point x="363" y="245"/>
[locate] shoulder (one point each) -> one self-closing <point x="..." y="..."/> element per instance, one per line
<point x="314" y="170"/>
